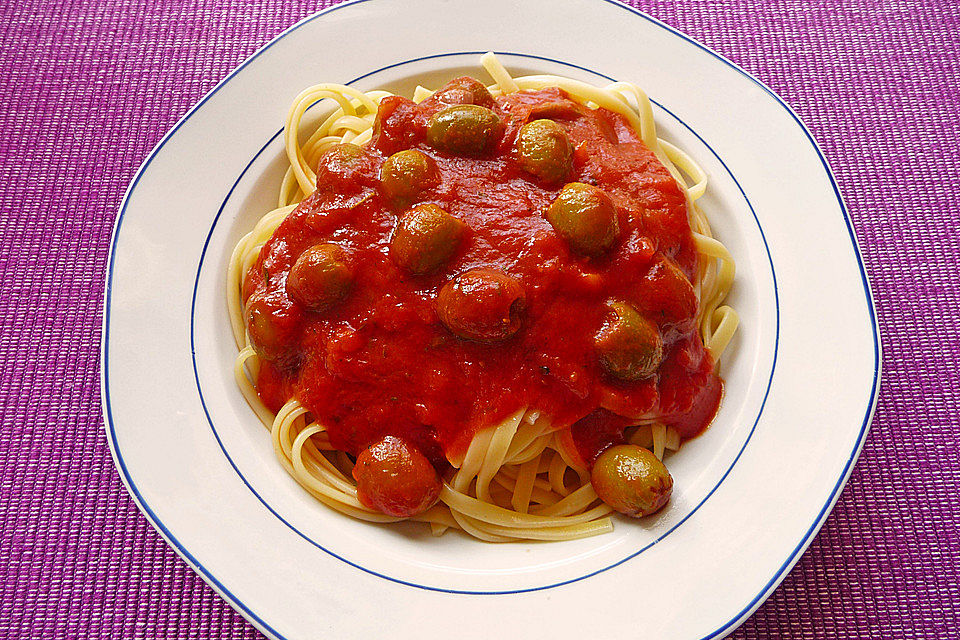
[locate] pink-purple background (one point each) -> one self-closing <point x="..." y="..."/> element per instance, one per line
<point x="88" y="88"/>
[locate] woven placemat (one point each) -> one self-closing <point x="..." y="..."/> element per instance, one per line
<point x="88" y="88"/>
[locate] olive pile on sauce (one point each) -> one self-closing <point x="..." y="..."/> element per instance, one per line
<point x="482" y="305"/>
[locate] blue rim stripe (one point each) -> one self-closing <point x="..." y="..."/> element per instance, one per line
<point x="259" y="622"/>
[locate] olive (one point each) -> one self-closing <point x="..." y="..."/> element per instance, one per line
<point x="561" y="109"/>
<point x="665" y="294"/>
<point x="399" y="125"/>
<point x="544" y="150"/>
<point x="406" y="173"/>
<point x="585" y="217"/>
<point x="426" y="236"/>
<point x="464" y="90"/>
<point x="344" y="153"/>
<point x="394" y="478"/>
<point x="340" y="161"/>
<point x="273" y="324"/>
<point x="482" y="305"/>
<point x="465" y="129"/>
<point x="631" y="480"/>
<point x="629" y="345"/>
<point x="320" y="277"/>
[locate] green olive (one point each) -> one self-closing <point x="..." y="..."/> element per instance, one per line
<point x="666" y="294"/>
<point x="339" y="161"/>
<point x="395" y="478"/>
<point x="585" y="217"/>
<point x="482" y="305"/>
<point x="631" y="480"/>
<point x="544" y="150"/>
<point x="425" y="237"/>
<point x="273" y="322"/>
<point x="464" y="90"/>
<point x="466" y="129"/>
<point x="629" y="345"/>
<point x="344" y="152"/>
<point x="320" y="277"/>
<point x="407" y="173"/>
<point x="560" y="109"/>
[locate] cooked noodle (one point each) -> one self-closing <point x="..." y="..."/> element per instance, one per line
<point x="519" y="479"/>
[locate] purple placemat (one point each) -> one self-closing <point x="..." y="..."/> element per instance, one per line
<point x="88" y="88"/>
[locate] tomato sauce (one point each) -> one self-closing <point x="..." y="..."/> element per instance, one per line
<point x="381" y="363"/>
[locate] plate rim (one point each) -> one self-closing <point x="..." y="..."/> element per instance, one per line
<point x="261" y="624"/>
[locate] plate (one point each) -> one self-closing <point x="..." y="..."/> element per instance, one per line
<point x="801" y="375"/>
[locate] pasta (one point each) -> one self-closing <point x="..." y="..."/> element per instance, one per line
<point x="522" y="477"/>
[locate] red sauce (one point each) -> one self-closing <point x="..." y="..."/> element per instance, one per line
<point x="381" y="363"/>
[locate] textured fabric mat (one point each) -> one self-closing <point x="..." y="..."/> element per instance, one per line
<point x="88" y="88"/>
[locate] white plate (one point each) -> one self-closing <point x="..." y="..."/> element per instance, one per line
<point x="750" y="493"/>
